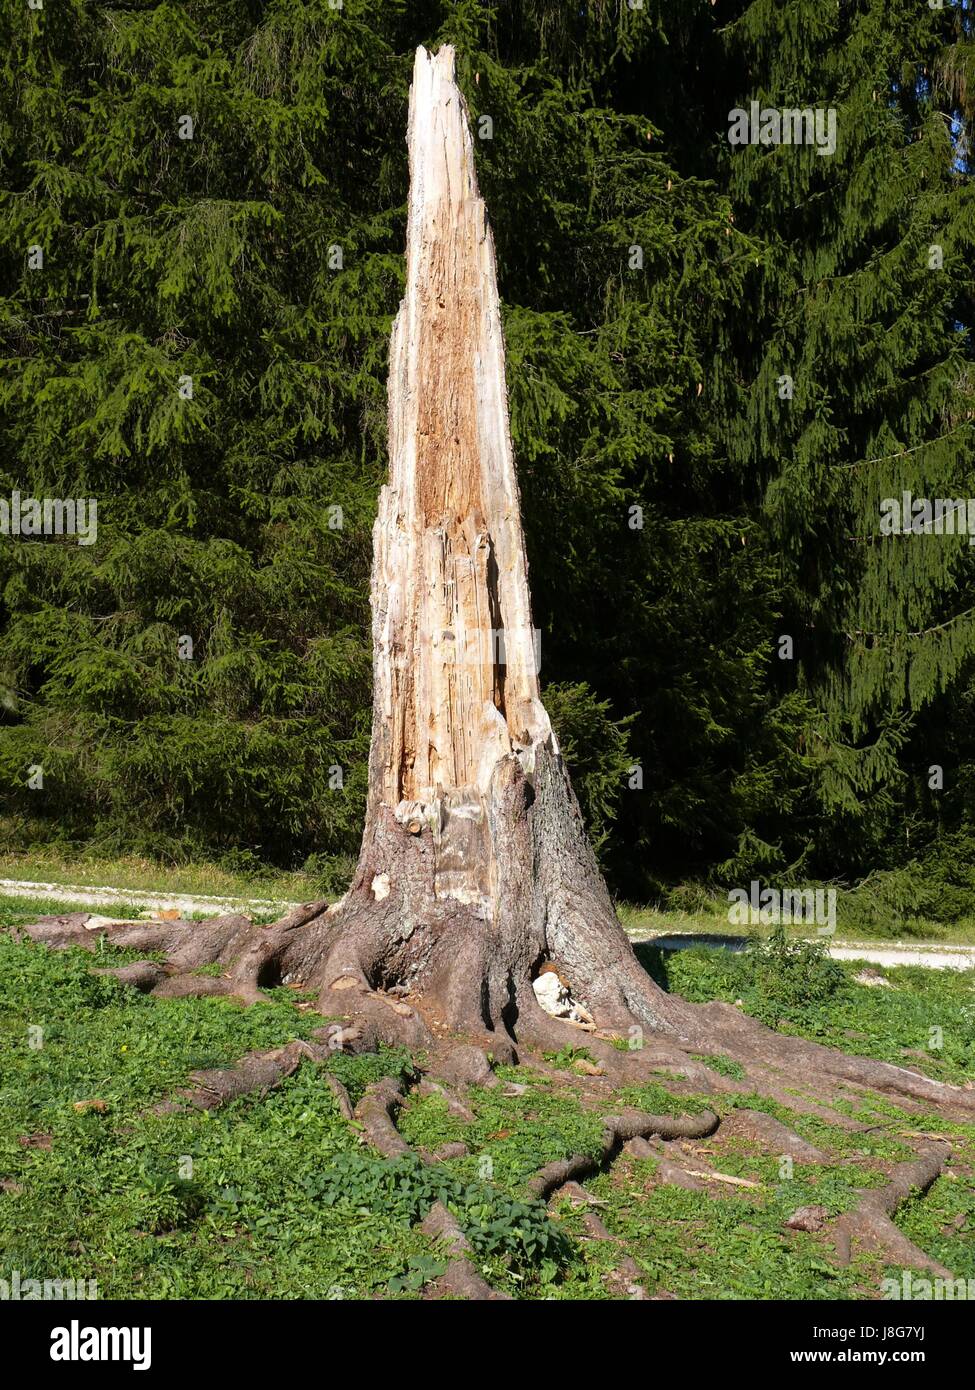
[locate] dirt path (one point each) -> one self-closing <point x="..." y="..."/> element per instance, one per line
<point x="932" y="954"/>
<point x="189" y="904"/>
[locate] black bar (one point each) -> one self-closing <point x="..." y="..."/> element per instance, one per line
<point x="250" y="1337"/>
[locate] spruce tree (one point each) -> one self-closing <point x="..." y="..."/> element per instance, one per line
<point x="856" y="369"/>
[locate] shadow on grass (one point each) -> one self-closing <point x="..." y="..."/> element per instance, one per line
<point x="655" y="955"/>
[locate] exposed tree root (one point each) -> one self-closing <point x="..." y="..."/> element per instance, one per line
<point x="461" y="1279"/>
<point x="257" y="1072"/>
<point x="773" y="1135"/>
<point x="341" y="1096"/>
<point x="757" y="1046"/>
<point x="445" y="1152"/>
<point x="145" y="975"/>
<point x="424" y="996"/>
<point x="375" y="1113"/>
<point x="617" y="1129"/>
<point x="869" y="1224"/>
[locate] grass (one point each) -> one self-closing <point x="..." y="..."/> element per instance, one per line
<point x="275" y="1196"/>
<point x="136" y="874"/>
<point x="927" y="1018"/>
<point x="511" y="1136"/>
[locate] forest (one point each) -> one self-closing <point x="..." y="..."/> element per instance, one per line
<point x="724" y="361"/>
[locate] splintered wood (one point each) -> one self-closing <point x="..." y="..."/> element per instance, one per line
<point x="457" y="689"/>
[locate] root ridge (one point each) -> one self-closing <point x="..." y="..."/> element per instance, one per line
<point x="617" y="1129"/>
<point x="869" y="1223"/>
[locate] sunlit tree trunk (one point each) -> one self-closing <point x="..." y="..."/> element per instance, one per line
<point x="475" y="869"/>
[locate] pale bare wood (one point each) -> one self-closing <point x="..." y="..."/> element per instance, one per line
<point x="454" y="648"/>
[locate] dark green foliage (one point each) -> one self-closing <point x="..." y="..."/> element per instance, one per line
<point x="406" y="1188"/>
<point x="878" y="343"/>
<point x="632" y="386"/>
<point x="205" y="257"/>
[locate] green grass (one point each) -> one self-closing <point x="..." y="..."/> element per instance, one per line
<point x="927" y="1020"/>
<point x="512" y="1136"/>
<point x="698" y="1246"/>
<point x="724" y="1066"/>
<point x="136" y="874"/>
<point x="276" y="1196"/>
<point x="942" y="1222"/>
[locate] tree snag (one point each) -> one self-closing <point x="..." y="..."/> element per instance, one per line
<point x="475" y="869"/>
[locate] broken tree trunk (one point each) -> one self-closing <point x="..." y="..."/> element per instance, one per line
<point x="475" y="868"/>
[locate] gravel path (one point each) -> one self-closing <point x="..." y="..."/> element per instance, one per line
<point x="935" y="955"/>
<point x="87" y="896"/>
